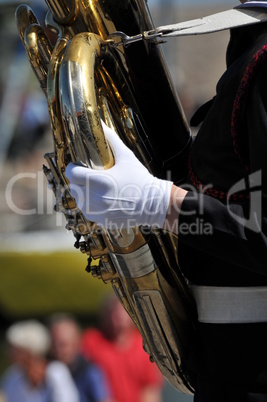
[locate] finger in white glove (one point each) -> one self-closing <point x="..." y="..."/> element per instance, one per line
<point x="126" y="195"/>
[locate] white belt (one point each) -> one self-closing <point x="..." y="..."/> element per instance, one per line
<point x="230" y="305"/>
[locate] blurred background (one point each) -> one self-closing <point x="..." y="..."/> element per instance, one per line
<point x="41" y="272"/>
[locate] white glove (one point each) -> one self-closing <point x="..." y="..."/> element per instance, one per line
<point x="124" y="196"/>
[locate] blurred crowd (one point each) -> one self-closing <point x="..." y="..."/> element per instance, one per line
<point x="59" y="361"/>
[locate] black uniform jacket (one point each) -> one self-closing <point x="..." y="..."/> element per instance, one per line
<point x="222" y="238"/>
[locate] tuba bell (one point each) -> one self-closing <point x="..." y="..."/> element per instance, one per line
<point x="92" y="70"/>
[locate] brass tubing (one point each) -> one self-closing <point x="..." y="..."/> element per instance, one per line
<point x="90" y="145"/>
<point x="36" y="43"/>
<point x="60" y="142"/>
<point x="64" y="13"/>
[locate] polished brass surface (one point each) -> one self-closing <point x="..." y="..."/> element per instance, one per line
<point x="88" y="75"/>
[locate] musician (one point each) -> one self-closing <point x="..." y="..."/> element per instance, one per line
<point x="219" y="215"/>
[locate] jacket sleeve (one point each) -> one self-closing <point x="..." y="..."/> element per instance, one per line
<point x="223" y="231"/>
<point x="236" y="233"/>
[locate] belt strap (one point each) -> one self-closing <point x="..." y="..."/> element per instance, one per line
<point x="213" y="23"/>
<point x="232" y="18"/>
<point x="231" y="305"/>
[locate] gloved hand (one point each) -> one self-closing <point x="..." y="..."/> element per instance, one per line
<point x="125" y="196"/>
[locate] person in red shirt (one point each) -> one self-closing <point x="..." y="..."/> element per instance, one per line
<point x="117" y="348"/>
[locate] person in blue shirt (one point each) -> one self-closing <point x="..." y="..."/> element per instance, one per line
<point x="66" y="337"/>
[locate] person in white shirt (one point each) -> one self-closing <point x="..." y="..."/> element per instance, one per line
<point x="32" y="377"/>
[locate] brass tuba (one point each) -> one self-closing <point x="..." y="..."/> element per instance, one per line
<point x="93" y="70"/>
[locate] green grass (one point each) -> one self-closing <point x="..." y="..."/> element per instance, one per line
<point x="36" y="284"/>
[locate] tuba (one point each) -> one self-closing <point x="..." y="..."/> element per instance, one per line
<point x="101" y="59"/>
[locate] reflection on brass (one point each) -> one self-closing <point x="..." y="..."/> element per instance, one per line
<point x="85" y="78"/>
